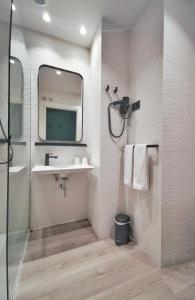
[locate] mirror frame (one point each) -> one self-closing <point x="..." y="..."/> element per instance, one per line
<point x="82" y="101"/>
<point x="22" y="131"/>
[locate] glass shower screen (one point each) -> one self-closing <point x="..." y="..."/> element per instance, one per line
<point x="5" y="8"/>
<point x="19" y="169"/>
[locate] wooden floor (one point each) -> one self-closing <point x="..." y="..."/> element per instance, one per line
<point x="60" y="238"/>
<point x="103" y="271"/>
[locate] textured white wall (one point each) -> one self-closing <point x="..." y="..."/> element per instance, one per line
<point x="108" y="196"/>
<point x="109" y="65"/>
<point x="178" y="173"/>
<point x="115" y="73"/>
<point x="94" y="208"/>
<point x="115" y="54"/>
<point x="146" y="55"/>
<point x="48" y="207"/>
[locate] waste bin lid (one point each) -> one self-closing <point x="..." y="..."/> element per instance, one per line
<point x="122" y="218"/>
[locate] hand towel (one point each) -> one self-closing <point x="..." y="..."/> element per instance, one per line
<point x="128" y="165"/>
<point x="141" y="168"/>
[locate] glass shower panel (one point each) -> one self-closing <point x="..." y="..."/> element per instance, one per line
<point x="5" y="8"/>
<point x="19" y="170"/>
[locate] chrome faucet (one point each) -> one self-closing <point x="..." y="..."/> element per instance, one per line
<point x="47" y="158"/>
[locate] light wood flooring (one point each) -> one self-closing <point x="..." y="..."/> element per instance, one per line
<point x="103" y="271"/>
<point x="59" y="238"/>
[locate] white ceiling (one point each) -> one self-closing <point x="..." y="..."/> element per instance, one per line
<point x="68" y="15"/>
<point x="66" y="82"/>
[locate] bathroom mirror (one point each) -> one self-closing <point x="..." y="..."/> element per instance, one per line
<point x="16" y="97"/>
<point x="60" y="104"/>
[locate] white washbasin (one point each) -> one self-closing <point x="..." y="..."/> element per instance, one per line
<point x="51" y="170"/>
<point x="17" y="169"/>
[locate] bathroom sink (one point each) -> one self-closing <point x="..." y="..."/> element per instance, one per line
<point x="64" y="170"/>
<point x="16" y="169"/>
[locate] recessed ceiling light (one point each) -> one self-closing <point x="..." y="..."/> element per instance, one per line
<point x="12" y="61"/>
<point x="58" y="72"/>
<point x="46" y="17"/>
<point x="13" y="7"/>
<point x="83" y="30"/>
<point x="40" y="2"/>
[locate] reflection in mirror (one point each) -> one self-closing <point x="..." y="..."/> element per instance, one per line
<point x="16" y="98"/>
<point x="60" y="105"/>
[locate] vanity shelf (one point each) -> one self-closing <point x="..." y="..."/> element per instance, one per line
<point x="60" y="144"/>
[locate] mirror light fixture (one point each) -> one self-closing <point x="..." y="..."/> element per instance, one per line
<point x="83" y="30"/>
<point x="58" y="72"/>
<point x="13" y="7"/>
<point x="46" y="17"/>
<point x="12" y="61"/>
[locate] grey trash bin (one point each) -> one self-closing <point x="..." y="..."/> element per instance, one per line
<point x="122" y="229"/>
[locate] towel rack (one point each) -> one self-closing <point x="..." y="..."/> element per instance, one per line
<point x="151" y="146"/>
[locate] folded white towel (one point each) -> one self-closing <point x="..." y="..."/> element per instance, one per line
<point x="141" y="168"/>
<point x="128" y="165"/>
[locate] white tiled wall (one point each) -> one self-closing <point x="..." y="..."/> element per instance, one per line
<point x="109" y="57"/>
<point x="146" y="55"/>
<point x="178" y="173"/>
<point x="125" y="66"/>
<point x="162" y="45"/>
<point x="115" y="73"/>
<point x="94" y="208"/>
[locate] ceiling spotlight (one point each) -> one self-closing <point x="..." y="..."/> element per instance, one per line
<point x="13" y="7"/>
<point x="83" y="30"/>
<point x="12" y="61"/>
<point x="46" y="17"/>
<point x="40" y="2"/>
<point x="58" y="72"/>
